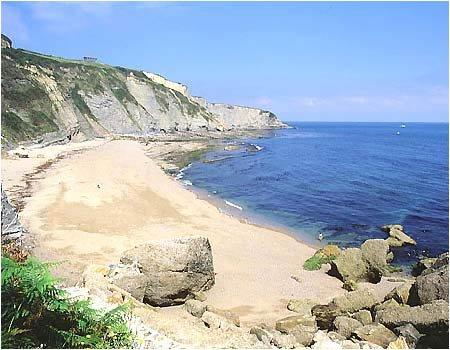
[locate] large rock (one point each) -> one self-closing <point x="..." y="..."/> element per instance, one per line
<point x="363" y="316"/>
<point x="175" y="268"/>
<point x="397" y="236"/>
<point x="368" y="263"/>
<point x="401" y="293"/>
<point x="11" y="226"/>
<point x="428" y="318"/>
<point x="354" y="301"/>
<point x="195" y="307"/>
<point x="432" y="284"/>
<point x="325" y="315"/>
<point x="345" y="326"/>
<point x="375" y="253"/>
<point x="130" y="279"/>
<point x="349" y="265"/>
<point x="409" y="333"/>
<point x="376" y="334"/>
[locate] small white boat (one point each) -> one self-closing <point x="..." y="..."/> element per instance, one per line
<point x="403" y="126"/>
<point x="398" y="132"/>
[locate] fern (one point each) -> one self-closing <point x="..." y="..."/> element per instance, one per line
<point x="36" y="313"/>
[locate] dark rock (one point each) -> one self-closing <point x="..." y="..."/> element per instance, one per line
<point x="410" y="334"/>
<point x="175" y="269"/>
<point x="349" y="265"/>
<point x="375" y="253"/>
<point x="325" y="315"/>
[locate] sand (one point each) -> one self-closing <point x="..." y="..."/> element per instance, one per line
<point x="93" y="204"/>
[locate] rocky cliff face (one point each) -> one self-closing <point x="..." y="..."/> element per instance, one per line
<point x="47" y="98"/>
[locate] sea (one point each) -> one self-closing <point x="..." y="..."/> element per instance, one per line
<point x="343" y="180"/>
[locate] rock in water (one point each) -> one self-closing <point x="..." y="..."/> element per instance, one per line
<point x="175" y="268"/>
<point x="11" y="227"/>
<point x="397" y="236"/>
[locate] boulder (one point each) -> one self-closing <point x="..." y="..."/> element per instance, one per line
<point x="376" y="334"/>
<point x="11" y="227"/>
<point x="175" y="269"/>
<point x="401" y="293"/>
<point x="422" y="265"/>
<point x="301" y="306"/>
<point x="354" y="301"/>
<point x="428" y="318"/>
<point x="397" y="236"/>
<point x="349" y="265"/>
<point x="345" y="326"/>
<point x="195" y="307"/>
<point x="375" y="253"/>
<point x="216" y="321"/>
<point x="325" y="315"/>
<point x="130" y="279"/>
<point x="409" y="333"/>
<point x="431" y="285"/>
<point x="386" y="305"/>
<point x="363" y="316"/>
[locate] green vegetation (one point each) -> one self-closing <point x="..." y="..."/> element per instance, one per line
<point x="14" y="128"/>
<point x="322" y="256"/>
<point x="36" y="313"/>
<point x="80" y="103"/>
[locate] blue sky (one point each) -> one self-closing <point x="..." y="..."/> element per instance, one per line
<point x="304" y="61"/>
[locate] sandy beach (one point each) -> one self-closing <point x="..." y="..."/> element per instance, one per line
<point x="103" y="197"/>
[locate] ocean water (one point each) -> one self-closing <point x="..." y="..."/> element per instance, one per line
<point x="342" y="179"/>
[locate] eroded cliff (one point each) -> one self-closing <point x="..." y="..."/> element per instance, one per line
<point x="48" y="98"/>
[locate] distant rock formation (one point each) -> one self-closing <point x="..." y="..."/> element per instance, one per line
<point x="46" y="98"/>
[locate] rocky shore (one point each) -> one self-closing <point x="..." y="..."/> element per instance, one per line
<point x="200" y="279"/>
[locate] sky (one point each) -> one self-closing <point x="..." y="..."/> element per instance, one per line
<point x="341" y="61"/>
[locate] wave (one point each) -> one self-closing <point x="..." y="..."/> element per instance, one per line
<point x="233" y="205"/>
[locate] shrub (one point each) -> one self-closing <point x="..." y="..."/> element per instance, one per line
<point x="322" y="256"/>
<point x="36" y="313"/>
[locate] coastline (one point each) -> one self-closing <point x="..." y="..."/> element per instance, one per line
<point x="75" y="220"/>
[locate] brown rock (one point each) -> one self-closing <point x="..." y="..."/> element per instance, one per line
<point x="346" y="325"/>
<point x="376" y="333"/>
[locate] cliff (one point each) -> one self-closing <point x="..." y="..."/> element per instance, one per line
<point x="47" y="98"/>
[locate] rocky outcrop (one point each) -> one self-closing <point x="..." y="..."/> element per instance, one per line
<point x="368" y="263"/>
<point x="397" y="236"/>
<point x="432" y="284"/>
<point x="174" y="269"/>
<point x="11" y="226"/>
<point x="46" y="98"/>
<point x="428" y="318"/>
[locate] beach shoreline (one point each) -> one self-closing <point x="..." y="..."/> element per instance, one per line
<point x="110" y="195"/>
